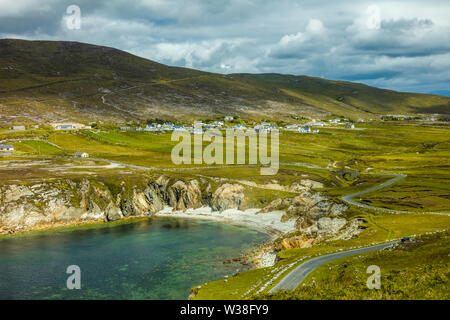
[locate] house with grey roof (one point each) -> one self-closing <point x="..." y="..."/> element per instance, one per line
<point x="6" y="147"/>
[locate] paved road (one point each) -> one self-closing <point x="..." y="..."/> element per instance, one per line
<point x="398" y="176"/>
<point x="296" y="276"/>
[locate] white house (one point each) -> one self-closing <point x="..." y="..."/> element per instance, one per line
<point x="335" y="121"/>
<point x="197" y="131"/>
<point x="304" y="129"/>
<point x="292" y="127"/>
<point x="81" y="155"/>
<point x="216" y="124"/>
<point x="168" y="126"/>
<point x="228" y="118"/>
<point x="179" y="128"/>
<point x="18" y="128"/>
<point x="68" y="126"/>
<point x="350" y="125"/>
<point x="153" y="127"/>
<point x="6" y="147"/>
<point x="239" y="127"/>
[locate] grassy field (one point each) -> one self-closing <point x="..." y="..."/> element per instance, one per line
<point x="418" y="269"/>
<point x="344" y="161"/>
<point x="379" y="228"/>
<point x="419" y="152"/>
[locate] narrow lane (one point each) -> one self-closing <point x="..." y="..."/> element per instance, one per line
<point x="296" y="276"/>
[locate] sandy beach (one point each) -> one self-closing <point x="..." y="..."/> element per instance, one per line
<point x="269" y="223"/>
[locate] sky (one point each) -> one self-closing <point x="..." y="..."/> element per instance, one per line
<point x="399" y="44"/>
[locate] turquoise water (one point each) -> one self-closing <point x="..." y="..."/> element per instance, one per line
<point x="159" y="258"/>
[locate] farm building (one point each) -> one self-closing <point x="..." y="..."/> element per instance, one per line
<point x="81" y="155"/>
<point x="304" y="129"/>
<point x="6" y="147"/>
<point x="68" y="126"/>
<point x="350" y="125"/>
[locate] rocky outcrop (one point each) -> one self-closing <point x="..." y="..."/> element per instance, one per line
<point x="300" y="241"/>
<point x="325" y="228"/>
<point x="308" y="208"/>
<point x="24" y="207"/>
<point x="228" y="196"/>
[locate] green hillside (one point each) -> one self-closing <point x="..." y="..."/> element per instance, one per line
<point x="46" y="81"/>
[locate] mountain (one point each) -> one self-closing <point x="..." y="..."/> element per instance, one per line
<point x="45" y="81"/>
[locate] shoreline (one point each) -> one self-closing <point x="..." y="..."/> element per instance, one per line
<point x="76" y="225"/>
<point x="268" y="223"/>
<point x="260" y="256"/>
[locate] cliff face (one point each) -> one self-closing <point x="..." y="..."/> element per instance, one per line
<point x="24" y="207"/>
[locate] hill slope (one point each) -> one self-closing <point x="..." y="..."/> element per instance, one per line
<point x="42" y="81"/>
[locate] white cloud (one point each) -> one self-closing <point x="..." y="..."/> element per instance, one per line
<point x="315" y="27"/>
<point x="17" y="8"/>
<point x="385" y="43"/>
<point x="373" y="19"/>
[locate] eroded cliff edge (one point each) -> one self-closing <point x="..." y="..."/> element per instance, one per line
<point x="53" y="203"/>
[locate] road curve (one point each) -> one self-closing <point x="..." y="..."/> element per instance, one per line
<point x="348" y="198"/>
<point x="296" y="276"/>
<point x="398" y="176"/>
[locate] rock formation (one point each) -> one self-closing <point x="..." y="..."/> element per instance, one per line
<point x="65" y="201"/>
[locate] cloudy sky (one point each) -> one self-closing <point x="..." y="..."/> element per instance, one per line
<point x="397" y="44"/>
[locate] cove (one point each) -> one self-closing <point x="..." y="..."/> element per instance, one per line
<point x="158" y="258"/>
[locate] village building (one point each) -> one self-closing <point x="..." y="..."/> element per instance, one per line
<point x="81" y="155"/>
<point x="350" y="125"/>
<point x="304" y="129"/>
<point x="153" y="127"/>
<point x="197" y="131"/>
<point x="68" y="126"/>
<point x="292" y="127"/>
<point x="167" y="126"/>
<point x="18" y="128"/>
<point x="335" y="121"/>
<point x="179" y="128"/>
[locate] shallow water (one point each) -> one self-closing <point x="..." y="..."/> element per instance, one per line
<point x="160" y="258"/>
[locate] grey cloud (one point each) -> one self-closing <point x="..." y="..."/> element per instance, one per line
<point x="403" y="37"/>
<point x="229" y="36"/>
